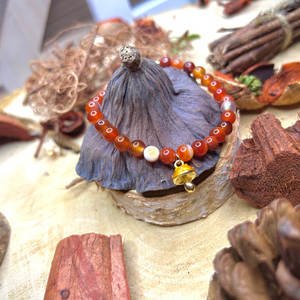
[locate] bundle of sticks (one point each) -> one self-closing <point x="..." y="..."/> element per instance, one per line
<point x="268" y="34"/>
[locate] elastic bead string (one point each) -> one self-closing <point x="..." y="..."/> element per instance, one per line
<point x="168" y="155"/>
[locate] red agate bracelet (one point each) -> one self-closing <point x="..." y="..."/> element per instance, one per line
<point x="184" y="152"/>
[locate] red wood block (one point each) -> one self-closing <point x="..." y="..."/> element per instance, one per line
<point x="89" y="266"/>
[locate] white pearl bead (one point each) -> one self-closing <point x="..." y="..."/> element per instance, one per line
<point x="228" y="105"/>
<point x="151" y="153"/>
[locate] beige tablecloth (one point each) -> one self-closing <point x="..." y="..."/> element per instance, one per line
<point x="161" y="263"/>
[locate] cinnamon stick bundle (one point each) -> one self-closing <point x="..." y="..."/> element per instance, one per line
<point x="259" y="41"/>
<point x="89" y="266"/>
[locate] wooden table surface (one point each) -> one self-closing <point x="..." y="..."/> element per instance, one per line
<point x="161" y="263"/>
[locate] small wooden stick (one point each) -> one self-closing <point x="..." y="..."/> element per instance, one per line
<point x="74" y="182"/>
<point x="43" y="136"/>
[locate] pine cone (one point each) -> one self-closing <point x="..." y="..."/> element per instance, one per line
<point x="263" y="261"/>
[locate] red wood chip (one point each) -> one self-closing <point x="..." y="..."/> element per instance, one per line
<point x="89" y="266"/>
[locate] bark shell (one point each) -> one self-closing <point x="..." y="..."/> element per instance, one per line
<point x="161" y="107"/>
<point x="280" y="89"/>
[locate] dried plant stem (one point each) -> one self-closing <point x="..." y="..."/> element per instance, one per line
<point x="88" y="52"/>
<point x="74" y="182"/>
<point x="43" y="136"/>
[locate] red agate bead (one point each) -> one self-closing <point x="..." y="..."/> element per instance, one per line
<point x="212" y="142"/>
<point x="110" y="133"/>
<point x="122" y="143"/>
<point x="101" y="95"/>
<point x="137" y="147"/>
<point x="177" y="63"/>
<point x="94" y="115"/>
<point x="218" y="133"/>
<point x="92" y="105"/>
<point x="199" y="72"/>
<point x="229" y="116"/>
<point x="185" y="152"/>
<point x="213" y="86"/>
<point x="226" y="98"/>
<point x="188" y="67"/>
<point x="96" y="99"/>
<point x="165" y="62"/>
<point x="167" y="156"/>
<point x="227" y="126"/>
<point x="206" y="79"/>
<point x="200" y="148"/>
<point x="219" y="94"/>
<point x="101" y="125"/>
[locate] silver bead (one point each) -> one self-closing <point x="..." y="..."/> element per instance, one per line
<point x="228" y="105"/>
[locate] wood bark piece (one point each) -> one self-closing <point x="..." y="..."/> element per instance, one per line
<point x="268" y="165"/>
<point x="89" y="266"/>
<point x="12" y="128"/>
<point x="4" y="235"/>
<point x="182" y="207"/>
<point x="161" y="107"/>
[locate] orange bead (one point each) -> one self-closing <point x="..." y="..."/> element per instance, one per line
<point x="199" y="72"/>
<point x="177" y="63"/>
<point x="94" y="115"/>
<point x="212" y="143"/>
<point x="229" y="116"/>
<point x="101" y="125"/>
<point x="200" y="148"/>
<point x="110" y="133"/>
<point x="101" y="95"/>
<point x="122" y="143"/>
<point x="165" y="62"/>
<point x="92" y="105"/>
<point x="213" y="86"/>
<point x="227" y="126"/>
<point x="206" y="79"/>
<point x="226" y="98"/>
<point x="219" y="94"/>
<point x="96" y="99"/>
<point x="188" y="67"/>
<point x="167" y="156"/>
<point x="185" y="152"/>
<point x="137" y="147"/>
<point x="218" y="133"/>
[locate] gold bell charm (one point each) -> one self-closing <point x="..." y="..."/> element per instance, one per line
<point x="183" y="175"/>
